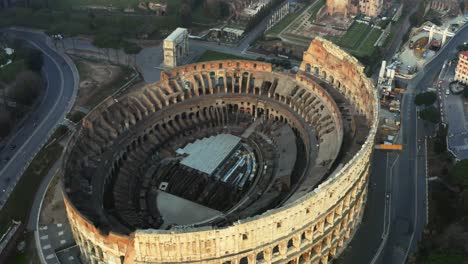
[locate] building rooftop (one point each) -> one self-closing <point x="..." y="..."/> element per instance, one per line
<point x="206" y="154"/>
<point x="464" y="53"/>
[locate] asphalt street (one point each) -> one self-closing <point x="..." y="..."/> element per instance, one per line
<point x="409" y="192"/>
<point x="455" y="114"/>
<point x="59" y="96"/>
<point x="365" y="243"/>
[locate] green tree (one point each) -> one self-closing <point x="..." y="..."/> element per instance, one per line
<point x="427" y="98"/>
<point x="34" y="60"/>
<point x="459" y="172"/>
<point x="430" y="114"/>
<point x="26" y="88"/>
<point x="131" y="48"/>
<point x="186" y="15"/>
<point x="443" y="257"/>
<point x="106" y="42"/>
<point x="3" y="57"/>
<point x="440" y="142"/>
<point x="5" y="123"/>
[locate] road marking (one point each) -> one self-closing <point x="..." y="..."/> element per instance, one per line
<point x="63" y="241"/>
<point x="50" y="256"/>
<point x="44" y="237"/>
<point x="46" y="247"/>
<point x="415" y="193"/>
<point x="52" y="110"/>
<point x="60" y="233"/>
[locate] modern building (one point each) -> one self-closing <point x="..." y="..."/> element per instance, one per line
<point x="461" y="72"/>
<point x="225" y="162"/>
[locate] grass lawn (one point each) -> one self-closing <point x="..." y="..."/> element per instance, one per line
<point x="9" y="72"/>
<point x="278" y="28"/>
<point x="367" y="48"/>
<point x="355" y="34"/>
<point x="314" y="10"/>
<point x="352" y="40"/>
<point x="389" y="39"/>
<point x="21" y="199"/>
<point x="442" y="257"/>
<point x="210" y="55"/>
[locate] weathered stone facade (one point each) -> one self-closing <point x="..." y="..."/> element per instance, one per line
<point x="347" y="8"/>
<point x="313" y="228"/>
<point x="175" y="47"/>
<point x="371" y="8"/>
<point x="341" y="7"/>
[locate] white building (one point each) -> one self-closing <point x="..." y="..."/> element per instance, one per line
<point x="176" y="47"/>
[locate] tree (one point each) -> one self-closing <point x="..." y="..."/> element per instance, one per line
<point x="34" y="60"/>
<point x="427" y="98"/>
<point x="462" y="47"/>
<point x="186" y="15"/>
<point x="430" y="114"/>
<point x="3" y="57"/>
<point x="131" y="48"/>
<point x="440" y="142"/>
<point x="5" y="123"/>
<point x="459" y="172"/>
<point x="106" y="42"/>
<point x="26" y="88"/>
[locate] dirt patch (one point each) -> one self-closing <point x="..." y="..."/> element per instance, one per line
<point x="53" y="208"/>
<point x="95" y="77"/>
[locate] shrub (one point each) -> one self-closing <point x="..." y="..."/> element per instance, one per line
<point x="430" y="114"/>
<point x="427" y="98"/>
<point x="459" y="172"/>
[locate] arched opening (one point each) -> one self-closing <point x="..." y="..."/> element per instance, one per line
<point x="317" y="71"/>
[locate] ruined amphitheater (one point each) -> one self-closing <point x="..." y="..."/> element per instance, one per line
<point x="225" y="162"/>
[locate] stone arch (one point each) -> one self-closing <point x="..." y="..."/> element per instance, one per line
<point x="317" y="71"/>
<point x="257" y="91"/>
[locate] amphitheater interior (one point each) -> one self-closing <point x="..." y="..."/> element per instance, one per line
<point x="225" y="162"/>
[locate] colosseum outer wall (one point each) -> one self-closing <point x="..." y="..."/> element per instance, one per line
<point x="313" y="229"/>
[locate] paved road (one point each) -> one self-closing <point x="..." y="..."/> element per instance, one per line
<point x="368" y="237"/>
<point x="409" y="215"/>
<point x="408" y="187"/>
<point x="62" y="81"/>
<point x="455" y="114"/>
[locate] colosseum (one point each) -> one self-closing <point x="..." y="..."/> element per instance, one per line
<point x="225" y="162"/>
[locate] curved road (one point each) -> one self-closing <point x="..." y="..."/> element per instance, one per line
<point x="62" y="83"/>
